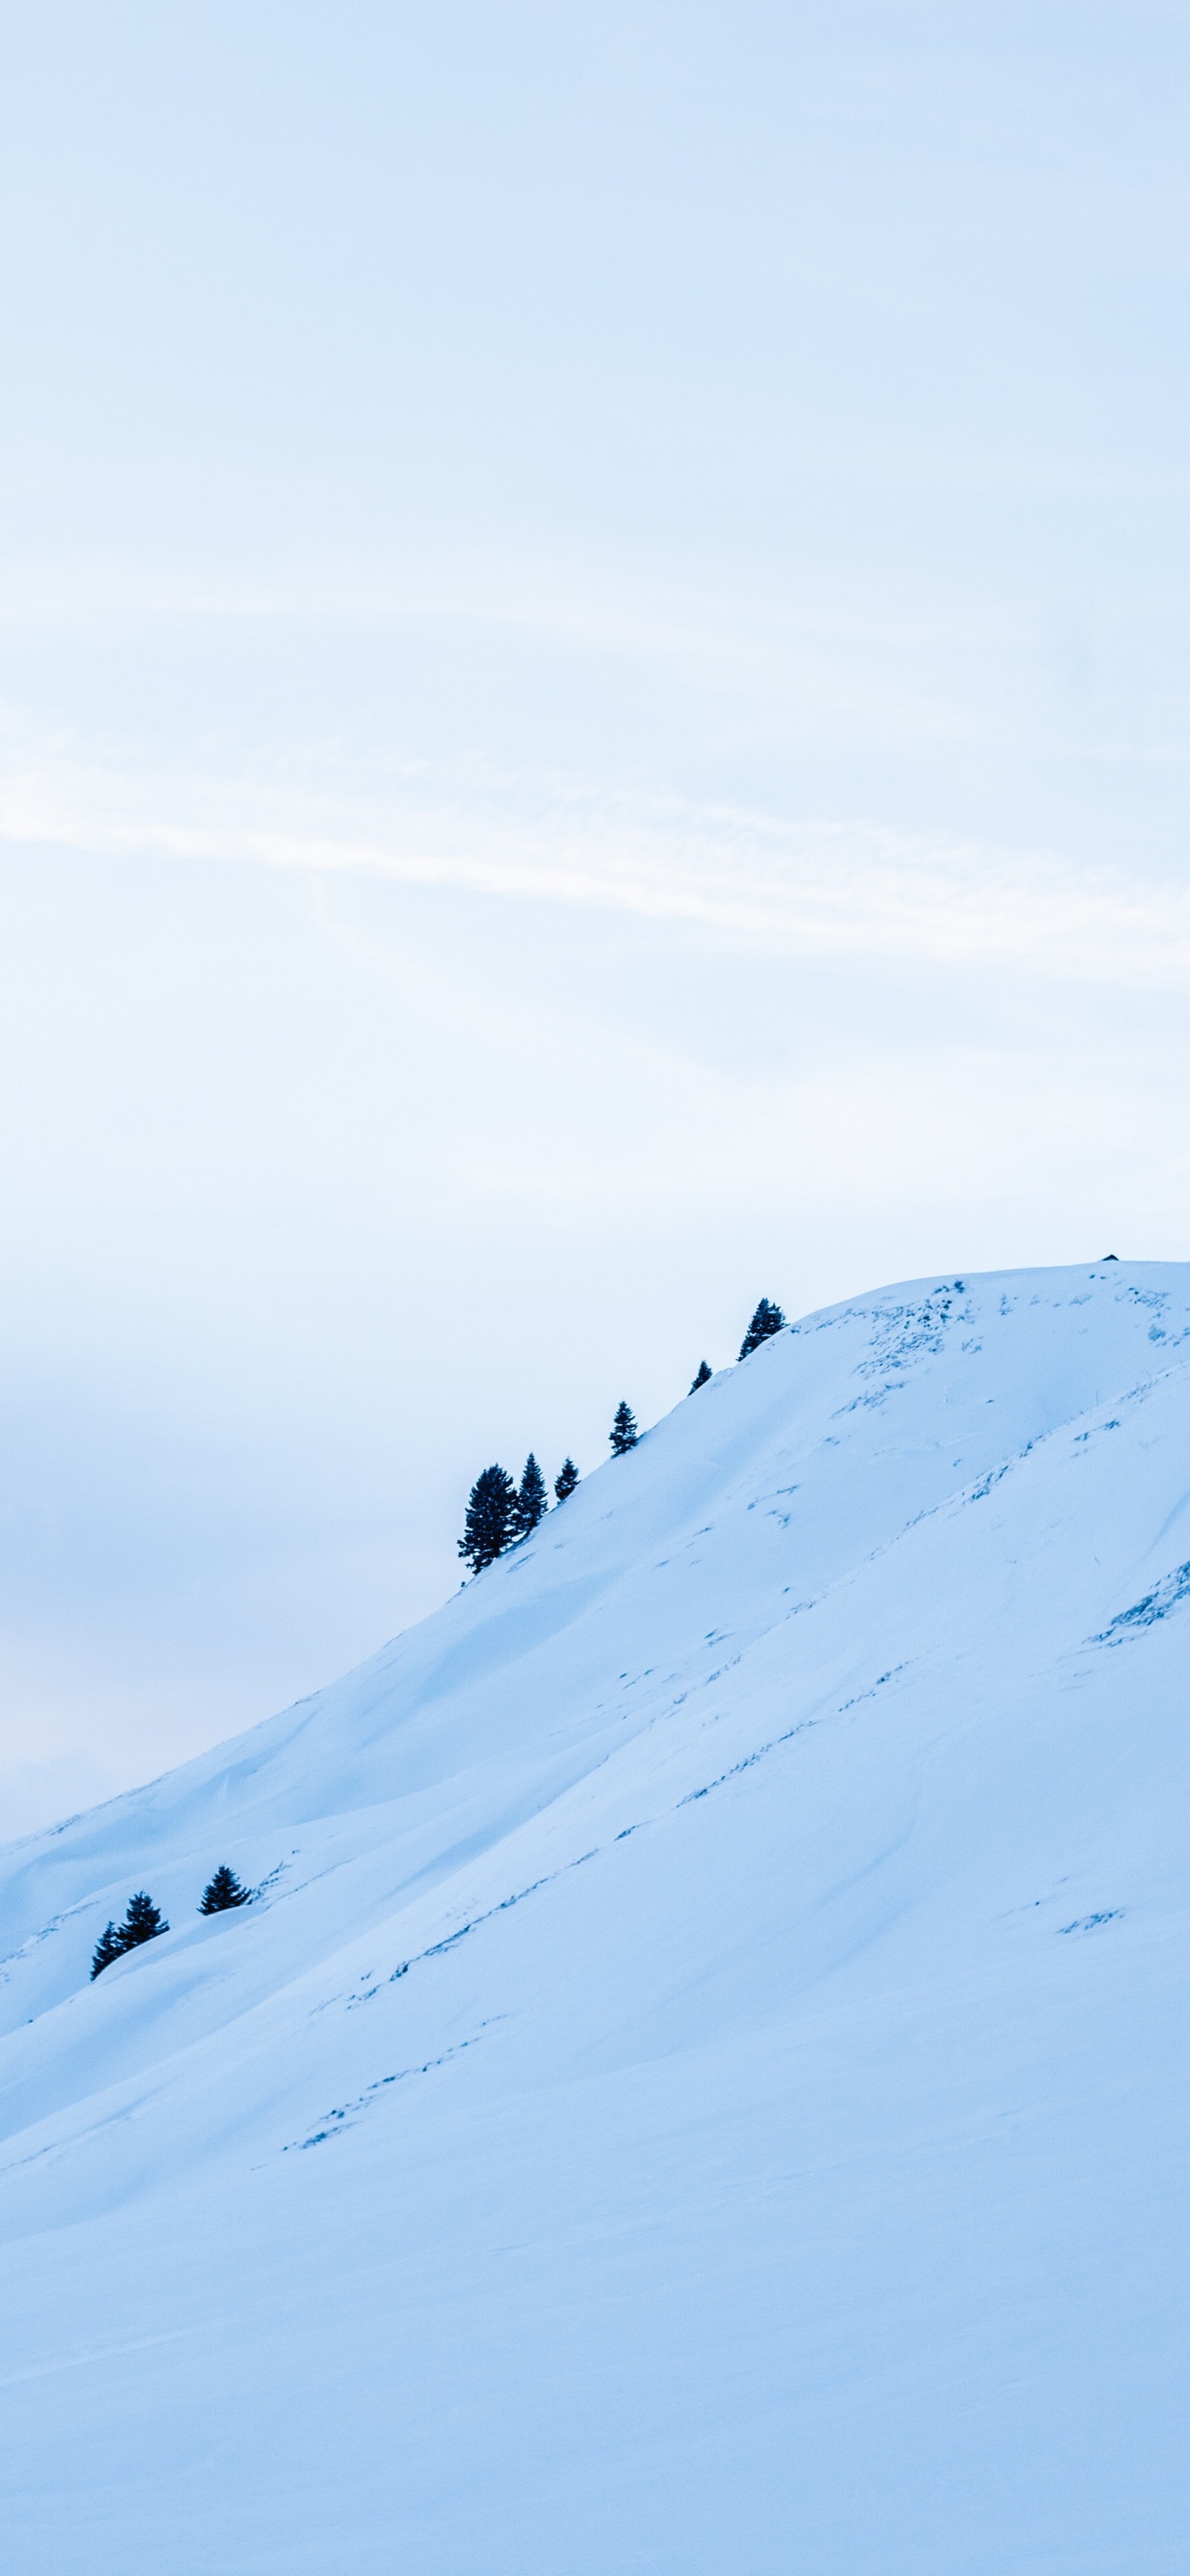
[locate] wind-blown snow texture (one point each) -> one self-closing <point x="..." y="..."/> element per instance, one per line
<point x="704" y="2084"/>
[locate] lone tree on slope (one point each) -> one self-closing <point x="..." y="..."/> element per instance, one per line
<point x="490" y="1525"/>
<point x="702" y="1379"/>
<point x="766" y="1321"/>
<point x="223" y="1891"/>
<point x="532" y="1502"/>
<point x="142" y="1922"/>
<point x="623" y="1434"/>
<point x="565" y="1480"/>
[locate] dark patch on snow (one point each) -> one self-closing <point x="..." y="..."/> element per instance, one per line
<point x="1157" y="1604"/>
<point x="362" y="1994"/>
<point x="437" y="1949"/>
<point x="347" y="2113"/>
<point x="878" y="1684"/>
<point x="748" y="1762"/>
<point x="1091" y="1922"/>
<point x="979" y="1493"/>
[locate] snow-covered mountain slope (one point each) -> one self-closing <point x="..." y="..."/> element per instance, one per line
<point x="703" y="2086"/>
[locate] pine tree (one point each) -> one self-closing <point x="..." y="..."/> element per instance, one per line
<point x="565" y="1480"/>
<point x="109" y="1946"/>
<point x="532" y="1502"/>
<point x="142" y="1922"/>
<point x="702" y="1379"/>
<point x="623" y="1434"/>
<point x="766" y="1321"/>
<point x="489" y="1527"/>
<point x="223" y="1891"/>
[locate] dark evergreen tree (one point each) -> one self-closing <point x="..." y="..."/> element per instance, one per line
<point x="623" y="1434"/>
<point x="490" y="1525"/>
<point x="532" y="1502"/>
<point x="223" y="1891"/>
<point x="109" y="1946"/>
<point x="142" y="1922"/>
<point x="565" y="1480"/>
<point x="702" y="1378"/>
<point x="766" y="1321"/>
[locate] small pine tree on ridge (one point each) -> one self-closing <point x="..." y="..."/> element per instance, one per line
<point x="565" y="1480"/>
<point x="703" y="1378"/>
<point x="490" y="1523"/>
<point x="767" y="1320"/>
<point x="623" y="1434"/>
<point x="109" y="1946"/>
<point x="142" y="1922"/>
<point x="223" y="1891"/>
<point x="532" y="1502"/>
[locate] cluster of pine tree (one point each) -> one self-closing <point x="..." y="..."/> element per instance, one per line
<point x="144" y="1920"/>
<point x="500" y="1512"/>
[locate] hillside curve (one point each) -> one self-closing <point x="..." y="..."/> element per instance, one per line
<point x="701" y="2083"/>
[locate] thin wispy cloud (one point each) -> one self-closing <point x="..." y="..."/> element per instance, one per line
<point x="829" y="888"/>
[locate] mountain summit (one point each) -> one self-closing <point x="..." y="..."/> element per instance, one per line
<point x="700" y="2083"/>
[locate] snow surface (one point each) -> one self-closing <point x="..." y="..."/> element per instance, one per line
<point x="704" y="2084"/>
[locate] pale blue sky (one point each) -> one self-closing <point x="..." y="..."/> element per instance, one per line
<point x="594" y="646"/>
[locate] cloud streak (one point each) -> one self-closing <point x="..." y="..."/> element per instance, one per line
<point x="828" y="889"/>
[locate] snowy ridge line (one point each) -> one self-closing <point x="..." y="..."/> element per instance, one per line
<point x="1157" y="1604"/>
<point x="451" y="1940"/>
<point x="956" y="1501"/>
<point x="893" y="1674"/>
<point x="918" y="1331"/>
<point x="70" y="2141"/>
<point x="804" y="1725"/>
<point x="933" y="1318"/>
<point x="1130" y="1400"/>
<point x="348" y="2113"/>
<point x="12" y="1958"/>
<point x="961" y="1497"/>
<point x="598" y="1851"/>
<point x="503" y="1905"/>
<point x="879" y="1310"/>
<point x="981" y="1486"/>
<point x="748" y="1761"/>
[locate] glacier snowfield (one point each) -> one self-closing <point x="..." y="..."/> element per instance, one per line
<point x="703" y="2086"/>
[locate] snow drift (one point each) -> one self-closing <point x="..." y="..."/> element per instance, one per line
<point x="702" y="2086"/>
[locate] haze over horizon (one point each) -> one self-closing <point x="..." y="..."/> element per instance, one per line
<point x="593" y="663"/>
